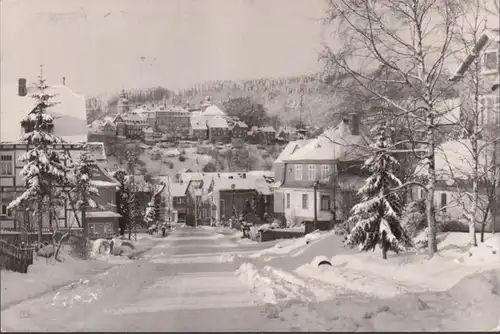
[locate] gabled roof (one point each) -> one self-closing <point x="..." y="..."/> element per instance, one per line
<point x="291" y="148"/>
<point x="240" y="124"/>
<point x="133" y="118"/>
<point x="336" y="143"/>
<point x="267" y="129"/>
<point x="454" y="160"/>
<point x="178" y="189"/>
<point x="70" y="117"/>
<point x="217" y="122"/>
<point x="213" y="110"/>
<point x="198" y="123"/>
<point x="259" y="183"/>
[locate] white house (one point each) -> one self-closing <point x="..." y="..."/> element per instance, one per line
<point x="70" y="119"/>
<point x="454" y="165"/>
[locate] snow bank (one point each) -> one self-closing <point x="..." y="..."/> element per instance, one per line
<point x="258" y="283"/>
<point x="274" y="285"/>
<point x="45" y="275"/>
<point x="100" y="249"/>
<point x="290" y="246"/>
<point x="410" y="272"/>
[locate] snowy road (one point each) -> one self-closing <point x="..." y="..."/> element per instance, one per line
<point x="186" y="283"/>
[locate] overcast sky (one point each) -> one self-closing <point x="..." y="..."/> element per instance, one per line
<point x="107" y="45"/>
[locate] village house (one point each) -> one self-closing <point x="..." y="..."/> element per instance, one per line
<point x="266" y="135"/>
<point x="198" y="204"/>
<point x="178" y="195"/>
<point x="239" y="130"/>
<point x="286" y="134"/>
<point x="69" y="124"/>
<point x="454" y="162"/>
<point x="218" y="130"/>
<point x="231" y="193"/>
<point x="173" y="121"/>
<point x="199" y="130"/>
<point x="279" y="175"/>
<point x="328" y="167"/>
<point x="148" y="135"/>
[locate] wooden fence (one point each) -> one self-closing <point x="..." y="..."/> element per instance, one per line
<point x="15" y="258"/>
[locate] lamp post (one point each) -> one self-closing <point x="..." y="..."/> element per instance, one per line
<point x="233" y="187"/>
<point x="315" y="187"/>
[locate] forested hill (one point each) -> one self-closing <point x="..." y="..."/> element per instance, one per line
<point x="316" y="99"/>
<point x="280" y="96"/>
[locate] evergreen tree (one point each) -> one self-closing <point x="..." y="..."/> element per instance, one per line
<point x="377" y="217"/>
<point x="44" y="168"/>
<point x="82" y="193"/>
<point x="122" y="199"/>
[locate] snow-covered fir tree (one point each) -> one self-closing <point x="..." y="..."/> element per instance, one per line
<point x="377" y="217"/>
<point x="82" y="193"/>
<point x="44" y="168"/>
<point x="122" y="199"/>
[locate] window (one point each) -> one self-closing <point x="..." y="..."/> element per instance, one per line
<point x="325" y="203"/>
<point x="489" y="104"/>
<point x="305" y="201"/>
<point x="443" y="201"/>
<point x="325" y="172"/>
<point x="6" y="164"/>
<point x="288" y="204"/>
<point x="490" y="60"/>
<point x="311" y="172"/>
<point x="4" y="211"/>
<point x="298" y="172"/>
<point x="204" y="212"/>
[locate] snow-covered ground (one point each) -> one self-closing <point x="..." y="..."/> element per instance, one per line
<point x="45" y="275"/>
<point x="459" y="274"/>
<point x="291" y="247"/>
<point x="49" y="275"/>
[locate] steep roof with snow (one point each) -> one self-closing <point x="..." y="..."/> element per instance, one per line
<point x="70" y="118"/>
<point x="454" y="160"/>
<point x="250" y="182"/>
<point x="178" y="189"/>
<point x="213" y="110"/>
<point x="198" y="123"/>
<point x="336" y="143"/>
<point x="241" y="124"/>
<point x="267" y="129"/>
<point x="291" y="148"/>
<point x="217" y="122"/>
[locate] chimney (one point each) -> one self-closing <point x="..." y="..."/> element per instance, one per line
<point x="64" y="81"/>
<point x="355" y="124"/>
<point x="21" y="87"/>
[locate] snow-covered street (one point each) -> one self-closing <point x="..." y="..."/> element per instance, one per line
<point x="185" y="276"/>
<point x="198" y="279"/>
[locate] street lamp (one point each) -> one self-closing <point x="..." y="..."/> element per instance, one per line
<point x="315" y="187"/>
<point x="233" y="187"/>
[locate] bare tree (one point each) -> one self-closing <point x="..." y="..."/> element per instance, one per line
<point x="409" y="41"/>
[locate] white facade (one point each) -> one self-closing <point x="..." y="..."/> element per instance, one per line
<point x="299" y="202"/>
